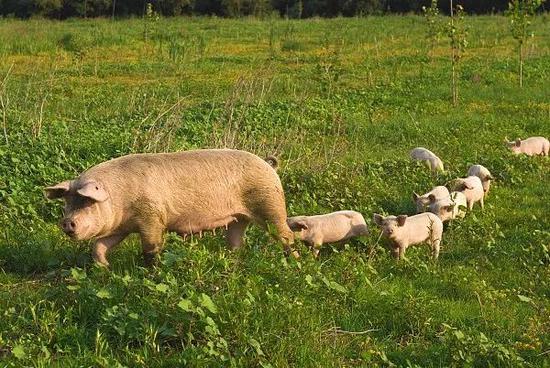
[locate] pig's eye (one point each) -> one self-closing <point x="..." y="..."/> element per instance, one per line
<point x="81" y="201"/>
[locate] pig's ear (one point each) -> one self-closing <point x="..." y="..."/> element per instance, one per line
<point x="467" y="186"/>
<point x="58" y="190"/>
<point x="378" y="219"/>
<point x="272" y="161"/>
<point x="302" y="225"/>
<point x="489" y="177"/>
<point x="93" y="190"/>
<point x="431" y="197"/>
<point x="401" y="220"/>
<point x="298" y="226"/>
<point x="518" y="142"/>
<point x="415" y="196"/>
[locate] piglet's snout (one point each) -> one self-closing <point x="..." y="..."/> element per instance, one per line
<point x="68" y="226"/>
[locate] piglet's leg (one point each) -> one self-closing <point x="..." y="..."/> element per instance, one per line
<point x="103" y="245"/>
<point x="395" y="253"/>
<point x="435" y="248"/>
<point x="151" y="242"/>
<point x="316" y="248"/>
<point x="402" y="249"/>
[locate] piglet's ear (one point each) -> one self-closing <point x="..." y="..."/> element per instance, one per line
<point x="401" y="220"/>
<point x="431" y="197"/>
<point x="378" y="219"/>
<point x="449" y="208"/>
<point x="93" y="190"/>
<point x="518" y="142"/>
<point x="301" y="225"/>
<point x="468" y="186"/>
<point x="489" y="177"/>
<point x="58" y="190"/>
<point x="415" y="196"/>
<point x="297" y="225"/>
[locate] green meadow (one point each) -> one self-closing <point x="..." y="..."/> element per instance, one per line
<point x="341" y="102"/>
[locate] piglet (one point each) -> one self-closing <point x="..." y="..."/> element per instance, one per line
<point x="472" y="188"/>
<point x="329" y="228"/>
<point x="423" y="154"/>
<point x="403" y="231"/>
<point x="483" y="174"/>
<point x="450" y="207"/>
<point x="422" y="201"/>
<point x="531" y="146"/>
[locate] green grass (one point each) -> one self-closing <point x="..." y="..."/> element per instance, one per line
<point x="341" y="102"/>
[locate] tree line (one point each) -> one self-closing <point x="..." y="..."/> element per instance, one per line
<point x="62" y="9"/>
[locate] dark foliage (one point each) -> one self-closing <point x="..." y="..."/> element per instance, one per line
<point x="62" y="9"/>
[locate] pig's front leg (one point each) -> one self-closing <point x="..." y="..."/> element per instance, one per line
<point x="402" y="248"/>
<point x="316" y="244"/>
<point x="151" y="243"/>
<point x="103" y="245"/>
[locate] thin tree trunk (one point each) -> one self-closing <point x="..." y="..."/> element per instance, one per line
<point x="521" y="65"/>
<point x="454" y="92"/>
<point x="113" y="13"/>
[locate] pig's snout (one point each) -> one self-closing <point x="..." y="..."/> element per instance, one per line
<point x="68" y="226"/>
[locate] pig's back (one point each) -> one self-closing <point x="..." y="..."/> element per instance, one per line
<point x="421" y="225"/>
<point x="421" y="153"/>
<point x="534" y="145"/>
<point x="439" y="192"/>
<point x="338" y="225"/>
<point x="216" y="166"/>
<point x="476" y="183"/>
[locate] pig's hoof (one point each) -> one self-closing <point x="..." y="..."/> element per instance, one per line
<point x="150" y="259"/>
<point x="293" y="253"/>
<point x="101" y="263"/>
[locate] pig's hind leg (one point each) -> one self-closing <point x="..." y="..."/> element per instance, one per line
<point x="270" y="208"/>
<point x="151" y="242"/>
<point x="235" y="233"/>
<point x="285" y="235"/>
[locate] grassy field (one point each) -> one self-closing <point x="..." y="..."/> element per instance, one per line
<point x="341" y="102"/>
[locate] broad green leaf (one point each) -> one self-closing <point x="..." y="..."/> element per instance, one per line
<point x="19" y="352"/>
<point x="459" y="334"/>
<point x="206" y="302"/>
<point x="256" y="345"/>
<point x="78" y="274"/>
<point x="186" y="305"/>
<point x="309" y="280"/>
<point x="336" y="286"/>
<point x="163" y="288"/>
<point x="103" y="294"/>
